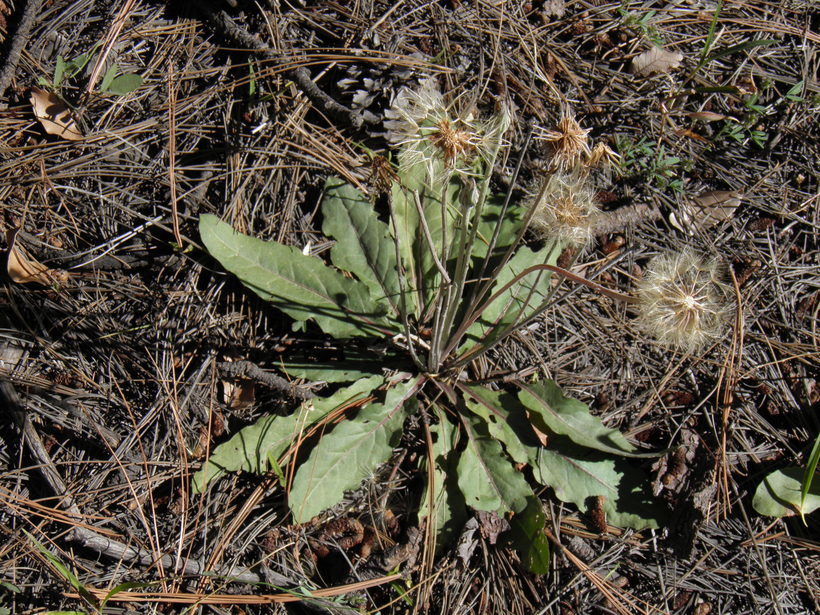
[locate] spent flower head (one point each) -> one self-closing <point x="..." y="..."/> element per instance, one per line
<point x="684" y="301"/>
<point x="570" y="142"/>
<point x="565" y="209"/>
<point x="430" y="131"/>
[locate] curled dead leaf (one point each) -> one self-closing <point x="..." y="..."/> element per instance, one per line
<point x="656" y="60"/>
<point x="714" y="207"/>
<point x="706" y="116"/>
<point x="23" y="269"/>
<point x="707" y="210"/>
<point x="54" y="115"/>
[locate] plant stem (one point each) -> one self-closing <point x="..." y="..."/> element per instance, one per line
<point x="475" y="351"/>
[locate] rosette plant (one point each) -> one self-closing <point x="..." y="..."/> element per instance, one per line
<point x="430" y="287"/>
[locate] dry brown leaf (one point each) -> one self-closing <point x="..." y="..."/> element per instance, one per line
<point x="717" y="206"/>
<point x="23" y="269"/>
<point x="656" y="60"/>
<point x="706" y="116"/>
<point x="238" y="394"/>
<point x="707" y="210"/>
<point x="54" y="115"/>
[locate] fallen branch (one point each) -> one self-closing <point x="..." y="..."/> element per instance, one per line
<point x="17" y="43"/>
<point x="251" y="371"/>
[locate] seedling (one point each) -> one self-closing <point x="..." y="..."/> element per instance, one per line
<point x="642" y="157"/>
<point x="790" y="491"/>
<point x="643" y="21"/>
<point x="112" y="82"/>
<point x="748" y="127"/>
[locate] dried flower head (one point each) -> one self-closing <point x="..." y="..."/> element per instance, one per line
<point x="570" y="142"/>
<point x="564" y="209"/>
<point x="429" y="130"/>
<point x="603" y="156"/>
<point x="684" y="301"/>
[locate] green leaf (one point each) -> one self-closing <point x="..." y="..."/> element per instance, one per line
<point x="780" y="494"/>
<point x="808" y="473"/>
<point x="487" y="477"/>
<point x="490" y="219"/>
<point x="124" y="84"/>
<point x="253" y="447"/>
<point x="349" y="453"/>
<point x="121" y="588"/>
<point x="518" y="302"/>
<point x="793" y="95"/>
<point x="503" y="417"/>
<point x="59" y="71"/>
<point x="363" y="243"/>
<point x="72" y="68"/>
<point x="342" y="371"/>
<point x="251" y="79"/>
<point x="63" y="570"/>
<point x="553" y="412"/>
<point x="405" y="226"/>
<point x="109" y="77"/>
<point x="449" y="512"/>
<point x="301" y="286"/>
<point x="421" y="183"/>
<point x="576" y="475"/>
<point x="528" y="538"/>
<point x="441" y="219"/>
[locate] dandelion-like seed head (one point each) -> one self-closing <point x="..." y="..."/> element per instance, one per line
<point x="428" y="130"/>
<point x="454" y="140"/>
<point x="684" y="301"/>
<point x="564" y="209"/>
<point x="411" y="108"/>
<point x="570" y="142"/>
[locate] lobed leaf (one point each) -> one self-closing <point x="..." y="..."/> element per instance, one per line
<point x="575" y="477"/>
<point x="552" y="411"/>
<point x="303" y="287"/>
<point x="348" y="454"/>
<point x="253" y="448"/>
<point x="575" y="474"/>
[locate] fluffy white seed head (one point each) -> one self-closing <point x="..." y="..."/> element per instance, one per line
<point x="564" y="209"/>
<point x="431" y="132"/>
<point x="684" y="301"/>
